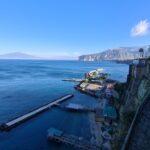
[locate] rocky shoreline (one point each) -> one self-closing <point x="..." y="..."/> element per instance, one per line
<point x="117" y="104"/>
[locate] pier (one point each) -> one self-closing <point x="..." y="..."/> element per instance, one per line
<point x="9" y="125"/>
<point x="78" y="142"/>
<point x="73" y="80"/>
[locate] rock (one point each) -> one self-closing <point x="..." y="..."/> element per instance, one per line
<point x="121" y="54"/>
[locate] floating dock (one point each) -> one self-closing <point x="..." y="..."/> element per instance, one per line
<point x="78" y="142"/>
<point x="9" y="125"/>
<point x="77" y="108"/>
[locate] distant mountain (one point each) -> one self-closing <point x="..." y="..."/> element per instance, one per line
<point x="121" y="54"/>
<point x="17" y="55"/>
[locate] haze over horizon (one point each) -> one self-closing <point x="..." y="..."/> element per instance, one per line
<point x="66" y="29"/>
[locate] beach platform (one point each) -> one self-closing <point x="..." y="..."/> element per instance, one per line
<point x="84" y="91"/>
<point x="9" y="125"/>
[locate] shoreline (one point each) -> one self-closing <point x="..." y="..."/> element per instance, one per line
<point x="104" y="118"/>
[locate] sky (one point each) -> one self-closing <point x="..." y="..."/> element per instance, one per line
<point x="65" y="29"/>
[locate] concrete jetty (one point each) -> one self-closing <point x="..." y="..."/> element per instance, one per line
<point x="78" y="142"/>
<point x="9" y="125"/>
<point x="73" y="80"/>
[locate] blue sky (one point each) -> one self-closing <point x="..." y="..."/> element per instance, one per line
<point x="68" y="28"/>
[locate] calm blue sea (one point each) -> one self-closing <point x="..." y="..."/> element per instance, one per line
<point x="27" y="84"/>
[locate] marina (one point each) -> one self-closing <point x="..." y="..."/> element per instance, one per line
<point x="9" y="125"/>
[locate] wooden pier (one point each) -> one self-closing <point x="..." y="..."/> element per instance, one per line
<point x="78" y="142"/>
<point x="9" y="125"/>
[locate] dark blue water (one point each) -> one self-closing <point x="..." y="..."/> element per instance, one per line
<point x="27" y="84"/>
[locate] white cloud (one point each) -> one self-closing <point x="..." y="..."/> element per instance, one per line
<point x="141" y="29"/>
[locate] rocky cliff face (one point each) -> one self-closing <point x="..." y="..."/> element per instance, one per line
<point x="124" y="53"/>
<point x="138" y="86"/>
<point x="136" y="93"/>
<point x="140" y="136"/>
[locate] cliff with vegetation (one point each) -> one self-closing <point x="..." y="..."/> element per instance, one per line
<point x="134" y="119"/>
<point x="121" y="54"/>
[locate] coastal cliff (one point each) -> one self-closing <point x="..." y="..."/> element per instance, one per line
<point x="120" y="54"/>
<point x="133" y="108"/>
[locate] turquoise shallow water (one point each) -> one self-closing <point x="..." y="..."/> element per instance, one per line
<point x="25" y="85"/>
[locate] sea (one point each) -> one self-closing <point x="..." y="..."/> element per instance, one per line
<point x="28" y="84"/>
